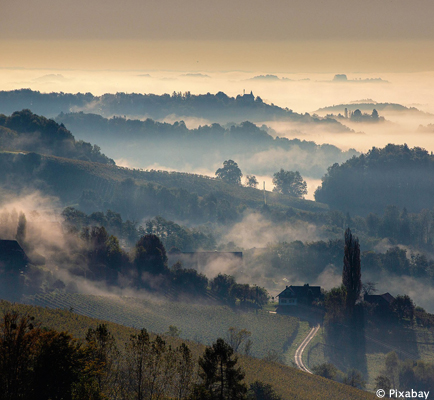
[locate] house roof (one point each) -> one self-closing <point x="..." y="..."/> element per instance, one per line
<point x="379" y="298"/>
<point x="301" y="291"/>
<point x="12" y="249"/>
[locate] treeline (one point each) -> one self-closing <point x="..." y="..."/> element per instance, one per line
<point x="40" y="363"/>
<point x="395" y="175"/>
<point x="25" y="131"/>
<point x="215" y="107"/>
<point x="308" y="260"/>
<point x="92" y="254"/>
<point x="158" y="141"/>
<point x="170" y="233"/>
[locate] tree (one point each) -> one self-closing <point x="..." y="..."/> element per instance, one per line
<point x="105" y="355"/>
<point x="21" y="229"/>
<point x="383" y="382"/>
<point x="150" y="256"/>
<point x="355" y="379"/>
<point x="237" y="337"/>
<point x="18" y="343"/>
<point x="391" y="363"/>
<point x="326" y="370"/>
<point x="185" y="372"/>
<point x="137" y="351"/>
<point x="351" y="274"/>
<point x="251" y="181"/>
<point x="221" y="379"/>
<point x="289" y="182"/>
<point x="221" y="285"/>
<point x="230" y="173"/>
<point x="369" y="288"/>
<point x="262" y="391"/>
<point x="374" y="114"/>
<point x="403" y="307"/>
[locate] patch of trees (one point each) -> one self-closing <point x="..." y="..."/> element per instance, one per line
<point x="38" y="363"/>
<point x="358" y="116"/>
<point x="93" y="254"/>
<point x="395" y="175"/>
<point x="352" y="377"/>
<point x="25" y="131"/>
<point x="170" y="233"/>
<point x="405" y="375"/>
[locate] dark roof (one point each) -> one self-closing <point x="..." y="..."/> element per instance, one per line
<point x="385" y="298"/>
<point x="11" y="247"/>
<point x="12" y="256"/>
<point x="238" y="254"/>
<point x="301" y="291"/>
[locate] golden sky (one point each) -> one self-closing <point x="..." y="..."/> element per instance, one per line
<point x="289" y="35"/>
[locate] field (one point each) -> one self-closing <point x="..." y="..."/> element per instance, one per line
<point x="201" y="323"/>
<point x="290" y="383"/>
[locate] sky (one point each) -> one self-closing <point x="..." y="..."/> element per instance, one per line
<point x="274" y="35"/>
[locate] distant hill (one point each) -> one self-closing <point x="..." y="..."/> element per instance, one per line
<point x="288" y="382"/>
<point x="389" y="108"/>
<point x="344" y="78"/>
<point x="136" y="194"/>
<point x="25" y="131"/>
<point x="175" y="146"/>
<point x="214" y="107"/>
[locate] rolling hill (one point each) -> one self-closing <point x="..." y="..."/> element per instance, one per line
<point x="290" y="383"/>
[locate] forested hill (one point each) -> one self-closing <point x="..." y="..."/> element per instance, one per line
<point x="136" y="194"/>
<point x="215" y="107"/>
<point x="175" y="146"/>
<point x="25" y="131"/>
<point x="368" y="107"/>
<point x="394" y="175"/>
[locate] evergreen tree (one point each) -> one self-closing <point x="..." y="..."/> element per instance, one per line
<point x="351" y="274"/>
<point x="221" y="379"/>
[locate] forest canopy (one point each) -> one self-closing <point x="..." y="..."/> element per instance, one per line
<point x="394" y="175"/>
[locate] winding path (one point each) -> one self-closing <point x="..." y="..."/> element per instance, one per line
<point x="299" y="352"/>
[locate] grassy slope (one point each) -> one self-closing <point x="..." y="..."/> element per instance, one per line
<point x="82" y="175"/>
<point x="288" y="382"/>
<point x="202" y="323"/>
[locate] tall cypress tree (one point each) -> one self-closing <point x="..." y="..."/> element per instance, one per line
<point x="351" y="274"/>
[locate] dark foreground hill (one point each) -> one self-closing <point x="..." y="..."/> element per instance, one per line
<point x="290" y="383"/>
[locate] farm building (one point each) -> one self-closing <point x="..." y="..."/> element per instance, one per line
<point x="380" y="300"/>
<point x="294" y="295"/>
